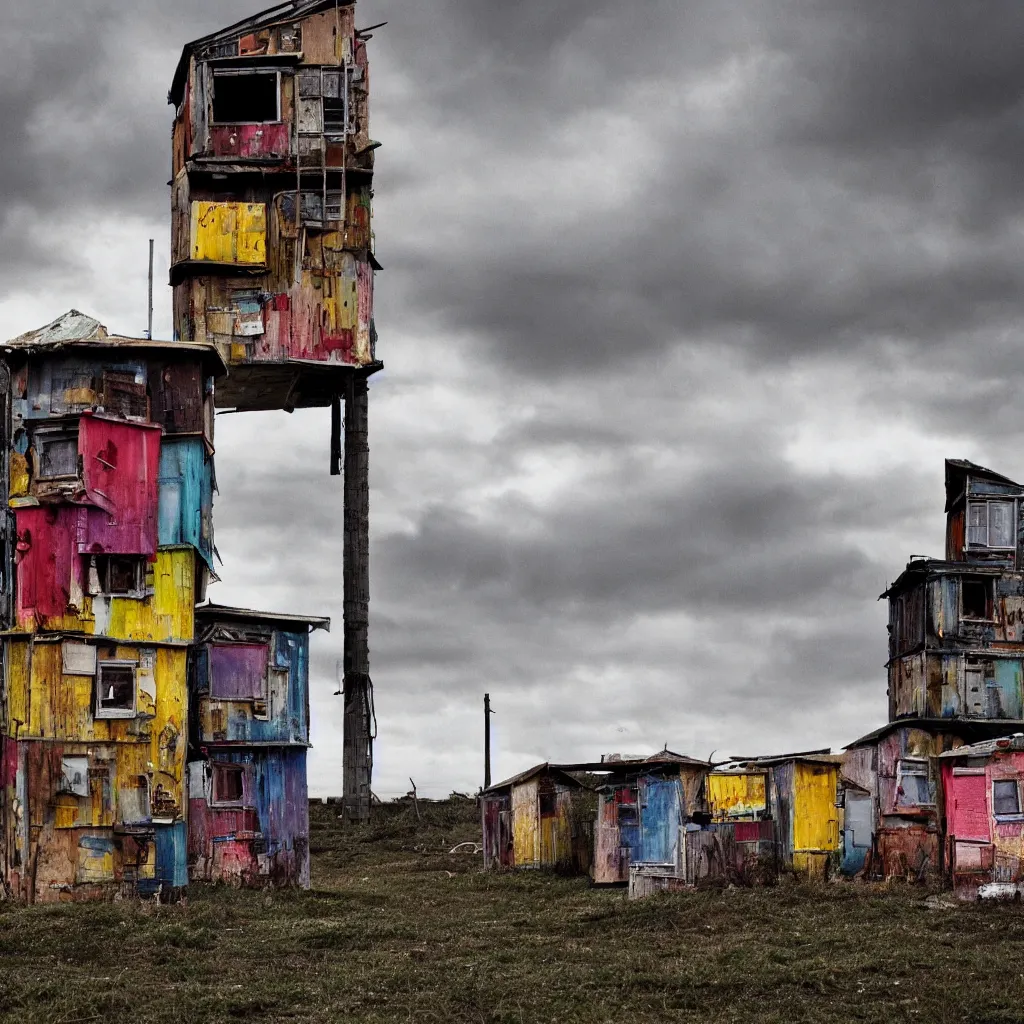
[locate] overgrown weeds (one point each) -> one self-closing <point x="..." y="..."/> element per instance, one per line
<point x="396" y="929"/>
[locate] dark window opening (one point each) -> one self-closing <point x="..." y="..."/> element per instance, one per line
<point x="334" y="116"/>
<point x="548" y="804"/>
<point x="115" y="690"/>
<point x="977" y="598"/>
<point x="57" y="453"/>
<point x="227" y="783"/>
<point x="1005" y="796"/>
<point x="246" y="98"/>
<point x="117" y="575"/>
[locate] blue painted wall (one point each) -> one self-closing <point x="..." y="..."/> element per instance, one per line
<point x="186" y="495"/>
<point x="290" y="720"/>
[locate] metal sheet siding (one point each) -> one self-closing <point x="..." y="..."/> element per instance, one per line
<point x="967" y="807"/>
<point x="186" y="495"/>
<point x="736" y="795"/>
<point x="251" y="141"/>
<point x="231" y="233"/>
<point x="287" y="718"/>
<point x="48" y="573"/>
<point x="121" y="472"/>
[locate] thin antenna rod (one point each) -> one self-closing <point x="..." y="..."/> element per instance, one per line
<point x="149" y="333"/>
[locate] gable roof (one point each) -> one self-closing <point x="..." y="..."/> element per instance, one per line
<point x="291" y="10"/>
<point x="530" y="773"/>
<point x="76" y="330"/>
<point x="957" y="471"/>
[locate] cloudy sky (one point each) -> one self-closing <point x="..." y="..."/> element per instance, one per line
<point x="685" y="303"/>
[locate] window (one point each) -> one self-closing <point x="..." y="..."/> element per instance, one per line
<point x="228" y="785"/>
<point x="238" y="671"/>
<point x="914" y="790"/>
<point x="56" y="453"/>
<point x="976" y="597"/>
<point x="115" y="689"/>
<point x="335" y="121"/>
<point x="246" y="97"/>
<point x="1005" y="796"/>
<point x="990" y="524"/>
<point x="74" y="776"/>
<point x="117" y="575"/>
<point x="548" y="804"/>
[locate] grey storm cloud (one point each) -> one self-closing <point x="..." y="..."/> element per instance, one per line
<point x="627" y="248"/>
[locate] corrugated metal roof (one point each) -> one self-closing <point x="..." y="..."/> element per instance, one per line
<point x="967" y="728"/>
<point x="210" y="611"/>
<point x="1004" y="744"/>
<point x="76" y="330"/>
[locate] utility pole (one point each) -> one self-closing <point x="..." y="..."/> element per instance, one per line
<point x="149" y="333"/>
<point x="487" y="740"/>
<point x="357" y="744"/>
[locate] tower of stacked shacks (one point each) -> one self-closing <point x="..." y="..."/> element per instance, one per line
<point x="147" y="735"/>
<point x="956" y="678"/>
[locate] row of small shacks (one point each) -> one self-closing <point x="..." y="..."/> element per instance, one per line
<point x="933" y="795"/>
<point x="910" y="801"/>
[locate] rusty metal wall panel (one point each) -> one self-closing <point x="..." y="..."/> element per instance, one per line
<point x="121" y="470"/>
<point x="251" y="142"/>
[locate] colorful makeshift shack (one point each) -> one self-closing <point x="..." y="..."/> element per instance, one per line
<point x="537" y="820"/>
<point x="985" y="817"/>
<point x="248" y="737"/>
<point x="644" y="805"/>
<point x="891" y="784"/>
<point x="107" y="494"/>
<point x="738" y="844"/>
<point x="803" y="800"/>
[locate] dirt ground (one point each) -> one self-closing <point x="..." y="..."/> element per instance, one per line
<point x="396" y="929"/>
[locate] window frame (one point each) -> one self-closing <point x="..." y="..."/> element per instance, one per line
<point x="218" y="768"/>
<point x="902" y="772"/>
<point x="114" y="713"/>
<point x="1016" y="815"/>
<point x="240" y="73"/>
<point x="48" y="435"/>
<point x="973" y="503"/>
<point x="989" y="583"/>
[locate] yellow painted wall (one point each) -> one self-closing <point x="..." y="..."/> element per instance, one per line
<point x="229" y="233"/>
<point x="46" y="704"/>
<point x="164" y="617"/>
<point x="732" y="796"/>
<point x="815" y="815"/>
<point x="525" y="838"/>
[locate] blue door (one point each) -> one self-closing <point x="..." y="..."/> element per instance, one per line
<point x="660" y="802"/>
<point x="857" y="829"/>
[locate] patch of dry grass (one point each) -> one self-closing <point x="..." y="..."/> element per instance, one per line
<point x="398" y="930"/>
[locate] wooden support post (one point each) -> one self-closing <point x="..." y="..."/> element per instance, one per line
<point x="487" y="741"/>
<point x="357" y="751"/>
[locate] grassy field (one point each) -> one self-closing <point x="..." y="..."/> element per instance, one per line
<point x="395" y="929"/>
